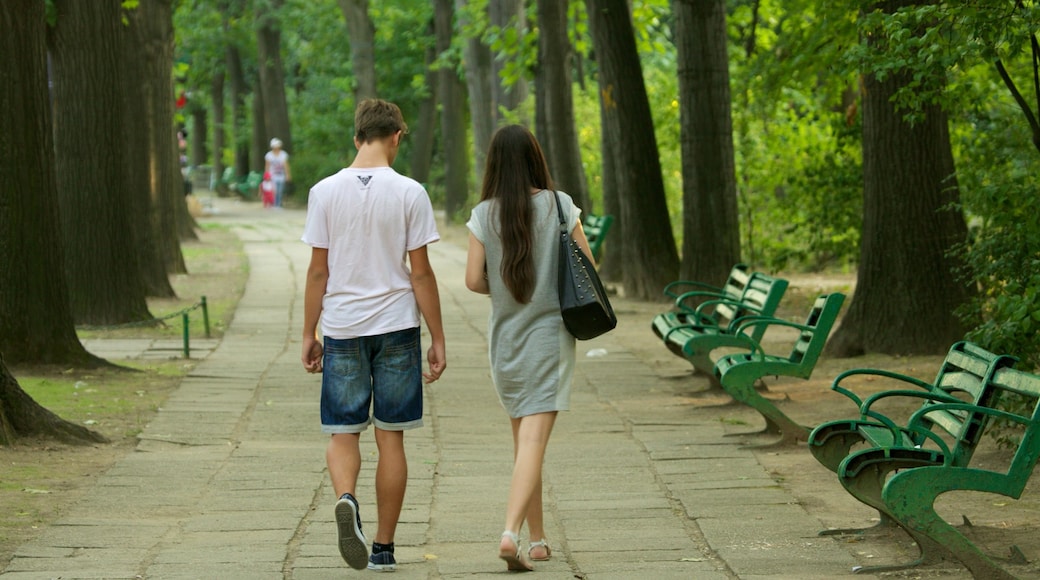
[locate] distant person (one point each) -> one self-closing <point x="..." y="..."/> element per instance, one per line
<point x="513" y="254"/>
<point x="363" y="223"/>
<point x="267" y="190"/>
<point x="276" y="162"/>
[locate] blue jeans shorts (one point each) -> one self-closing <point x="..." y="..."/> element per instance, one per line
<point x="382" y="372"/>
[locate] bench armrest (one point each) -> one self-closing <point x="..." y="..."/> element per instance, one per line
<point x="769" y="321"/>
<point x="736" y="304"/>
<point x="836" y="385"/>
<point x="708" y="288"/>
<point x="919" y="416"/>
<point x="911" y="430"/>
<point x="712" y="296"/>
<point x="927" y="395"/>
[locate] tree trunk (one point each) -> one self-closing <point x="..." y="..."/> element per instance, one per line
<point x="711" y="229"/>
<point x="425" y="133"/>
<point x="476" y="60"/>
<point x="554" y="50"/>
<point x="612" y="265"/>
<point x="506" y="14"/>
<point x="219" y="124"/>
<point x="199" y="130"/>
<point x="35" y="316"/>
<point x="647" y="245"/>
<point x="171" y="212"/>
<point x="272" y="74"/>
<point x="542" y="130"/>
<point x="453" y="117"/>
<point x="258" y="145"/>
<point x="239" y="88"/>
<point x="137" y="161"/>
<point x="906" y="290"/>
<point x="21" y="416"/>
<point x="101" y="266"/>
<point x="362" y="36"/>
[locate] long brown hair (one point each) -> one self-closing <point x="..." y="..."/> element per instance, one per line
<point x="515" y="166"/>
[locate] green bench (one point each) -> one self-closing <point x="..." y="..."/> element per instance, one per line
<point x="915" y="461"/>
<point x="247" y="186"/>
<point x="732" y="289"/>
<point x="737" y="373"/>
<point x="596" y="228"/>
<point x="694" y="332"/>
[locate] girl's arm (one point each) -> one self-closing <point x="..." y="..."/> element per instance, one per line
<point x="578" y="235"/>
<point x="476" y="267"/>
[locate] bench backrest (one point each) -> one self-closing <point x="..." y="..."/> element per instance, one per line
<point x="967" y="371"/>
<point x="761" y="296"/>
<point x="732" y="289"/>
<point x="596" y="228"/>
<point x="1025" y="386"/>
<point x="819" y="323"/>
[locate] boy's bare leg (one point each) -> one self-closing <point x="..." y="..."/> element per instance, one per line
<point x="391" y="481"/>
<point x="343" y="457"/>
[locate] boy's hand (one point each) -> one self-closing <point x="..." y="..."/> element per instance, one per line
<point x="312" y="354"/>
<point x="437" y="360"/>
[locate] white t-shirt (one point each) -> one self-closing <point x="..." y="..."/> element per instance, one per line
<point x="369" y="219"/>
<point x="276" y="163"/>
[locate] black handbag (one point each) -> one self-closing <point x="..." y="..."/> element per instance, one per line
<point x="584" y="305"/>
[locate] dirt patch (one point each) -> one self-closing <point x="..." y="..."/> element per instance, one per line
<point x="40" y="479"/>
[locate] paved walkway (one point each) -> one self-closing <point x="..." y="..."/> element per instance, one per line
<point x="229" y="479"/>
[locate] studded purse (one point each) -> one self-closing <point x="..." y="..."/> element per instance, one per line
<point x="584" y="305"/>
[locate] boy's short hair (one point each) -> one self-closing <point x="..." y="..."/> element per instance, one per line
<point x="377" y="119"/>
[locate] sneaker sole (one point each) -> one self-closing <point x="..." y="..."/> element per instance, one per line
<point x="382" y="567"/>
<point x="351" y="541"/>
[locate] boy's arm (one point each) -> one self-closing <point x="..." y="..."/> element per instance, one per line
<point x="317" y="281"/>
<point x="424" y="284"/>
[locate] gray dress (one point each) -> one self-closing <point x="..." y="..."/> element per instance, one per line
<point x="532" y="354"/>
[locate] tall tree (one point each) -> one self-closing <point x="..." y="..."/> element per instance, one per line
<point x="219" y="122"/>
<point x="711" y="230"/>
<point x="101" y="266"/>
<point x="508" y="17"/>
<point x="910" y="224"/>
<point x="21" y="416"/>
<point x="272" y="72"/>
<point x="425" y="132"/>
<point x="554" y="56"/>
<point x="362" y="35"/>
<point x="136" y="157"/>
<point x="35" y="317"/>
<point x="452" y="95"/>
<point x="476" y="63"/>
<point x="647" y="245"/>
<point x="258" y="144"/>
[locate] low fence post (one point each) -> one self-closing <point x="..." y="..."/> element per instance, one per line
<point x="185" y="322"/>
<point x="205" y="316"/>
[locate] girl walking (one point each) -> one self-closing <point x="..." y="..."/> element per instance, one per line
<point x="513" y="254"/>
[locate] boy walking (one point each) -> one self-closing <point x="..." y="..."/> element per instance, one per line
<point x="363" y="224"/>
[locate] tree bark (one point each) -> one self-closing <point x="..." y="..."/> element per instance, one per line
<point x="906" y="289"/>
<point x="424" y="136"/>
<point x="612" y="264"/>
<point x="453" y="117"/>
<point x="711" y="229"/>
<point x="506" y="14"/>
<point x="101" y="266"/>
<point x="35" y="317"/>
<point x="647" y="245"/>
<point x="239" y="89"/>
<point x="258" y="144"/>
<point x="137" y="141"/>
<point x="219" y="124"/>
<point x="21" y="416"/>
<point x="555" y="52"/>
<point x="199" y="130"/>
<point x="272" y="74"/>
<point x="476" y="61"/>
<point x="362" y="36"/>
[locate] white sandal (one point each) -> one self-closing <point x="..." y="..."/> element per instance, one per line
<point x="540" y="544"/>
<point x="514" y="561"/>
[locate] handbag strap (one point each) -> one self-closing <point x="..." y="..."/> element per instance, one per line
<point x="559" y="212"/>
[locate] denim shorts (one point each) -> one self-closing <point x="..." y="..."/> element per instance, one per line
<point x="382" y="372"/>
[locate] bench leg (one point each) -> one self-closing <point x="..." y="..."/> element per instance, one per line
<point x="833" y="445"/>
<point x="911" y="496"/>
<point x="777" y="422"/>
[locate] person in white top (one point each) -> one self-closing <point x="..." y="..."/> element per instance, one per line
<point x="369" y="280"/>
<point x="276" y="162"/>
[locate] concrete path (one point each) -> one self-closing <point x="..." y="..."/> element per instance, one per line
<point x="229" y="479"/>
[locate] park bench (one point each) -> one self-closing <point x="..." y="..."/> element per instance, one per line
<point x="693" y="332"/>
<point x="737" y="373"/>
<point x="247" y="186"/>
<point x="903" y="480"/>
<point x="596" y="228"/>
<point x="733" y="287"/>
